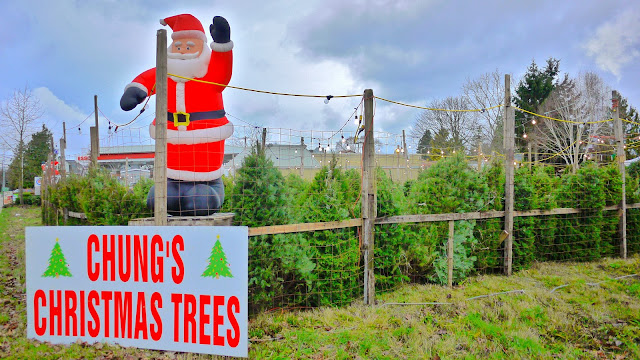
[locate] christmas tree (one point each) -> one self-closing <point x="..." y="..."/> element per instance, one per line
<point x="57" y="264"/>
<point x="218" y="265"/>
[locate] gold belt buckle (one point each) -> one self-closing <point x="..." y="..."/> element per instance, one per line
<point x="176" y="120"/>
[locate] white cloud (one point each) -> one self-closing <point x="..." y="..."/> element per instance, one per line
<point x="616" y="44"/>
<point x="55" y="112"/>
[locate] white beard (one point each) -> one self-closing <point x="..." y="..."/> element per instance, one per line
<point x="187" y="65"/>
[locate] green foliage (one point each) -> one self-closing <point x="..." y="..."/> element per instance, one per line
<point x="332" y="196"/>
<point x="278" y="264"/>
<point x="579" y="236"/>
<point x="533" y="89"/>
<point x="448" y="186"/>
<point x="391" y="241"/>
<point x="35" y="154"/>
<point x="100" y="196"/>
<point x="463" y="264"/>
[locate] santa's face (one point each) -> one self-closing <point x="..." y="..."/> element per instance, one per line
<point x="187" y="57"/>
<point x="187" y="46"/>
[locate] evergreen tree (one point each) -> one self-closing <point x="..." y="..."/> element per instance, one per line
<point x="533" y="89"/>
<point x="35" y="154"/>
<point x="424" y="145"/>
<point x="57" y="264"/>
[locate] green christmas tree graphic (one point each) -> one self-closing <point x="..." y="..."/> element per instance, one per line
<point x="57" y="264"/>
<point x="218" y="265"/>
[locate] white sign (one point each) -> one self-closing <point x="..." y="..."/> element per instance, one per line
<point x="37" y="182"/>
<point x="178" y="288"/>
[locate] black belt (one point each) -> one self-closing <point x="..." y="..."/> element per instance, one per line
<point x="180" y="118"/>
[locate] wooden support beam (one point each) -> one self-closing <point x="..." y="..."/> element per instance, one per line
<point x="160" y="159"/>
<point x="369" y="199"/>
<point x="620" y="157"/>
<point x="509" y="145"/>
<point x="450" y="254"/>
<point x="93" y="133"/>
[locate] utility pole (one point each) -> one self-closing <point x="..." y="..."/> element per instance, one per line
<point x="509" y="144"/>
<point x="620" y="157"/>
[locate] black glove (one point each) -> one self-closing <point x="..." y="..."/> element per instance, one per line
<point x="131" y="98"/>
<point x="220" y="31"/>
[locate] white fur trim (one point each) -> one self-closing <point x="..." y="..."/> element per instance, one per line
<point x="180" y="106"/>
<point x="139" y="86"/>
<point x="199" y="136"/>
<point x="162" y="22"/>
<point x="194" y="176"/>
<point x="189" y="34"/>
<point x="221" y="47"/>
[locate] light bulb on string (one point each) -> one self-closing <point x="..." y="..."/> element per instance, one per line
<point x="533" y="121"/>
<point x="326" y="101"/>
<point x="343" y="139"/>
<point x="524" y="136"/>
<point x="348" y="147"/>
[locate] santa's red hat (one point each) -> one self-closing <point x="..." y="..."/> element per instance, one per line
<point x="183" y="26"/>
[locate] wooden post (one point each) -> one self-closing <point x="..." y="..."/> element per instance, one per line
<point x="126" y="172"/>
<point x="93" y="133"/>
<point x="264" y="140"/>
<point x="63" y="146"/>
<point x="620" y="156"/>
<point x="302" y="148"/>
<point x="450" y="254"/>
<point x="509" y="144"/>
<point x="369" y="199"/>
<point x="160" y="159"/>
<point x="529" y="158"/>
<point x="404" y="146"/>
<point x="480" y="157"/>
<point x="95" y="112"/>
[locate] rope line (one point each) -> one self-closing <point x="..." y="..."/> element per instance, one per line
<point x="562" y="120"/>
<point x="263" y="91"/>
<point x="435" y="109"/>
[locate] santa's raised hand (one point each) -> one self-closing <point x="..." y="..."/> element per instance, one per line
<point x="219" y="30"/>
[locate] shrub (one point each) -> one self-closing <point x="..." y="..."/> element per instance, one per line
<point x="278" y="264"/>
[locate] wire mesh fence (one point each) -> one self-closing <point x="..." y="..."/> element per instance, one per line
<point x="288" y="184"/>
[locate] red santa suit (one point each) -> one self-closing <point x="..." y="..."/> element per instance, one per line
<point x="197" y="125"/>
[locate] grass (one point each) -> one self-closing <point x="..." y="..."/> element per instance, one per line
<point x="594" y="317"/>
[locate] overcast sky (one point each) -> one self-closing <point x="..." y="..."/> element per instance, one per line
<point x="408" y="51"/>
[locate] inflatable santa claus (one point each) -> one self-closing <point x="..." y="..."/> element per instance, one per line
<point x="197" y="126"/>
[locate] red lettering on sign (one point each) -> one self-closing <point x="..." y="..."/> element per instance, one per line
<point x="157" y="261"/>
<point x="106" y="297"/>
<point x="122" y="314"/>
<point x="82" y="313"/>
<point x="205" y="339"/>
<point x="108" y="257"/>
<point x="156" y="329"/>
<point x="40" y="327"/>
<point x="93" y="270"/>
<point x="140" y="258"/>
<point x="189" y="317"/>
<point x="217" y="320"/>
<point x="122" y="263"/>
<point x="70" y="312"/>
<point x="55" y="312"/>
<point x="94" y="326"/>
<point x="178" y="275"/>
<point x="231" y="339"/>
<point x="176" y="299"/>
<point x="141" y="318"/>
